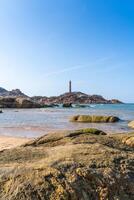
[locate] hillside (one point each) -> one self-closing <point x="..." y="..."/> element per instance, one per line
<point x="13" y="93"/>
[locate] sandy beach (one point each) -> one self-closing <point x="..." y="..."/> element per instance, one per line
<point x="7" y="142"/>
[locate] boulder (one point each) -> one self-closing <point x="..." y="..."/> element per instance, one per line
<point x="20" y="102"/>
<point x="131" y="124"/>
<point x="81" y="106"/>
<point x="7" y="102"/>
<point x="26" y="103"/>
<point x="94" y="119"/>
<point x="129" y="140"/>
<point x="67" y="105"/>
<point x="69" y="165"/>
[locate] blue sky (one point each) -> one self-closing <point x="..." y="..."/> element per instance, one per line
<point x="45" y="43"/>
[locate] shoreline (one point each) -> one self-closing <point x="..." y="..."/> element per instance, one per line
<point x="7" y="142"/>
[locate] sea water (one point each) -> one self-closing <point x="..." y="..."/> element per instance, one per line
<point x="36" y="122"/>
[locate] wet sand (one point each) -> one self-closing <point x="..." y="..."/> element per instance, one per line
<point x="7" y="142"/>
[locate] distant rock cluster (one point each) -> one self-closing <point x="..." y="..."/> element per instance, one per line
<point x="74" y="98"/>
<point x="17" y="99"/>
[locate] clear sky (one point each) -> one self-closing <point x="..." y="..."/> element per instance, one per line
<point x="45" y="43"/>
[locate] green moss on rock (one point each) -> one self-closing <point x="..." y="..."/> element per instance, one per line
<point x="94" y="119"/>
<point x="86" y="131"/>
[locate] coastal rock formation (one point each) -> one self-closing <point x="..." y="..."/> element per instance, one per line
<point x="74" y="98"/>
<point x="67" y="105"/>
<point x="13" y="102"/>
<point x="131" y="124"/>
<point x="26" y="103"/>
<point x="12" y="93"/>
<point x="115" y="101"/>
<point x="94" y="119"/>
<point x="69" y="165"/>
<point x="67" y="98"/>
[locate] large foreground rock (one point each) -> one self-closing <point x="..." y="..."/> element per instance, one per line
<point x="71" y="165"/>
<point x="94" y="119"/>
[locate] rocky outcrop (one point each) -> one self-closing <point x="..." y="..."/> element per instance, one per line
<point x="129" y="140"/>
<point x="74" y="98"/>
<point x="94" y="119"/>
<point x="7" y="102"/>
<point x="131" y="124"/>
<point x="67" y="98"/>
<point x="12" y="102"/>
<point x="115" y="101"/>
<point x="67" y="105"/>
<point x="26" y="103"/>
<point x="69" y="165"/>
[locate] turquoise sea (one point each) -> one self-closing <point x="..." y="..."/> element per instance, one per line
<point x="36" y="122"/>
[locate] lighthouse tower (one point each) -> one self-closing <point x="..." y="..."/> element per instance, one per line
<point x="70" y="86"/>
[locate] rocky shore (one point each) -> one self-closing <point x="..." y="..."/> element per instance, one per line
<point x="71" y="165"/>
